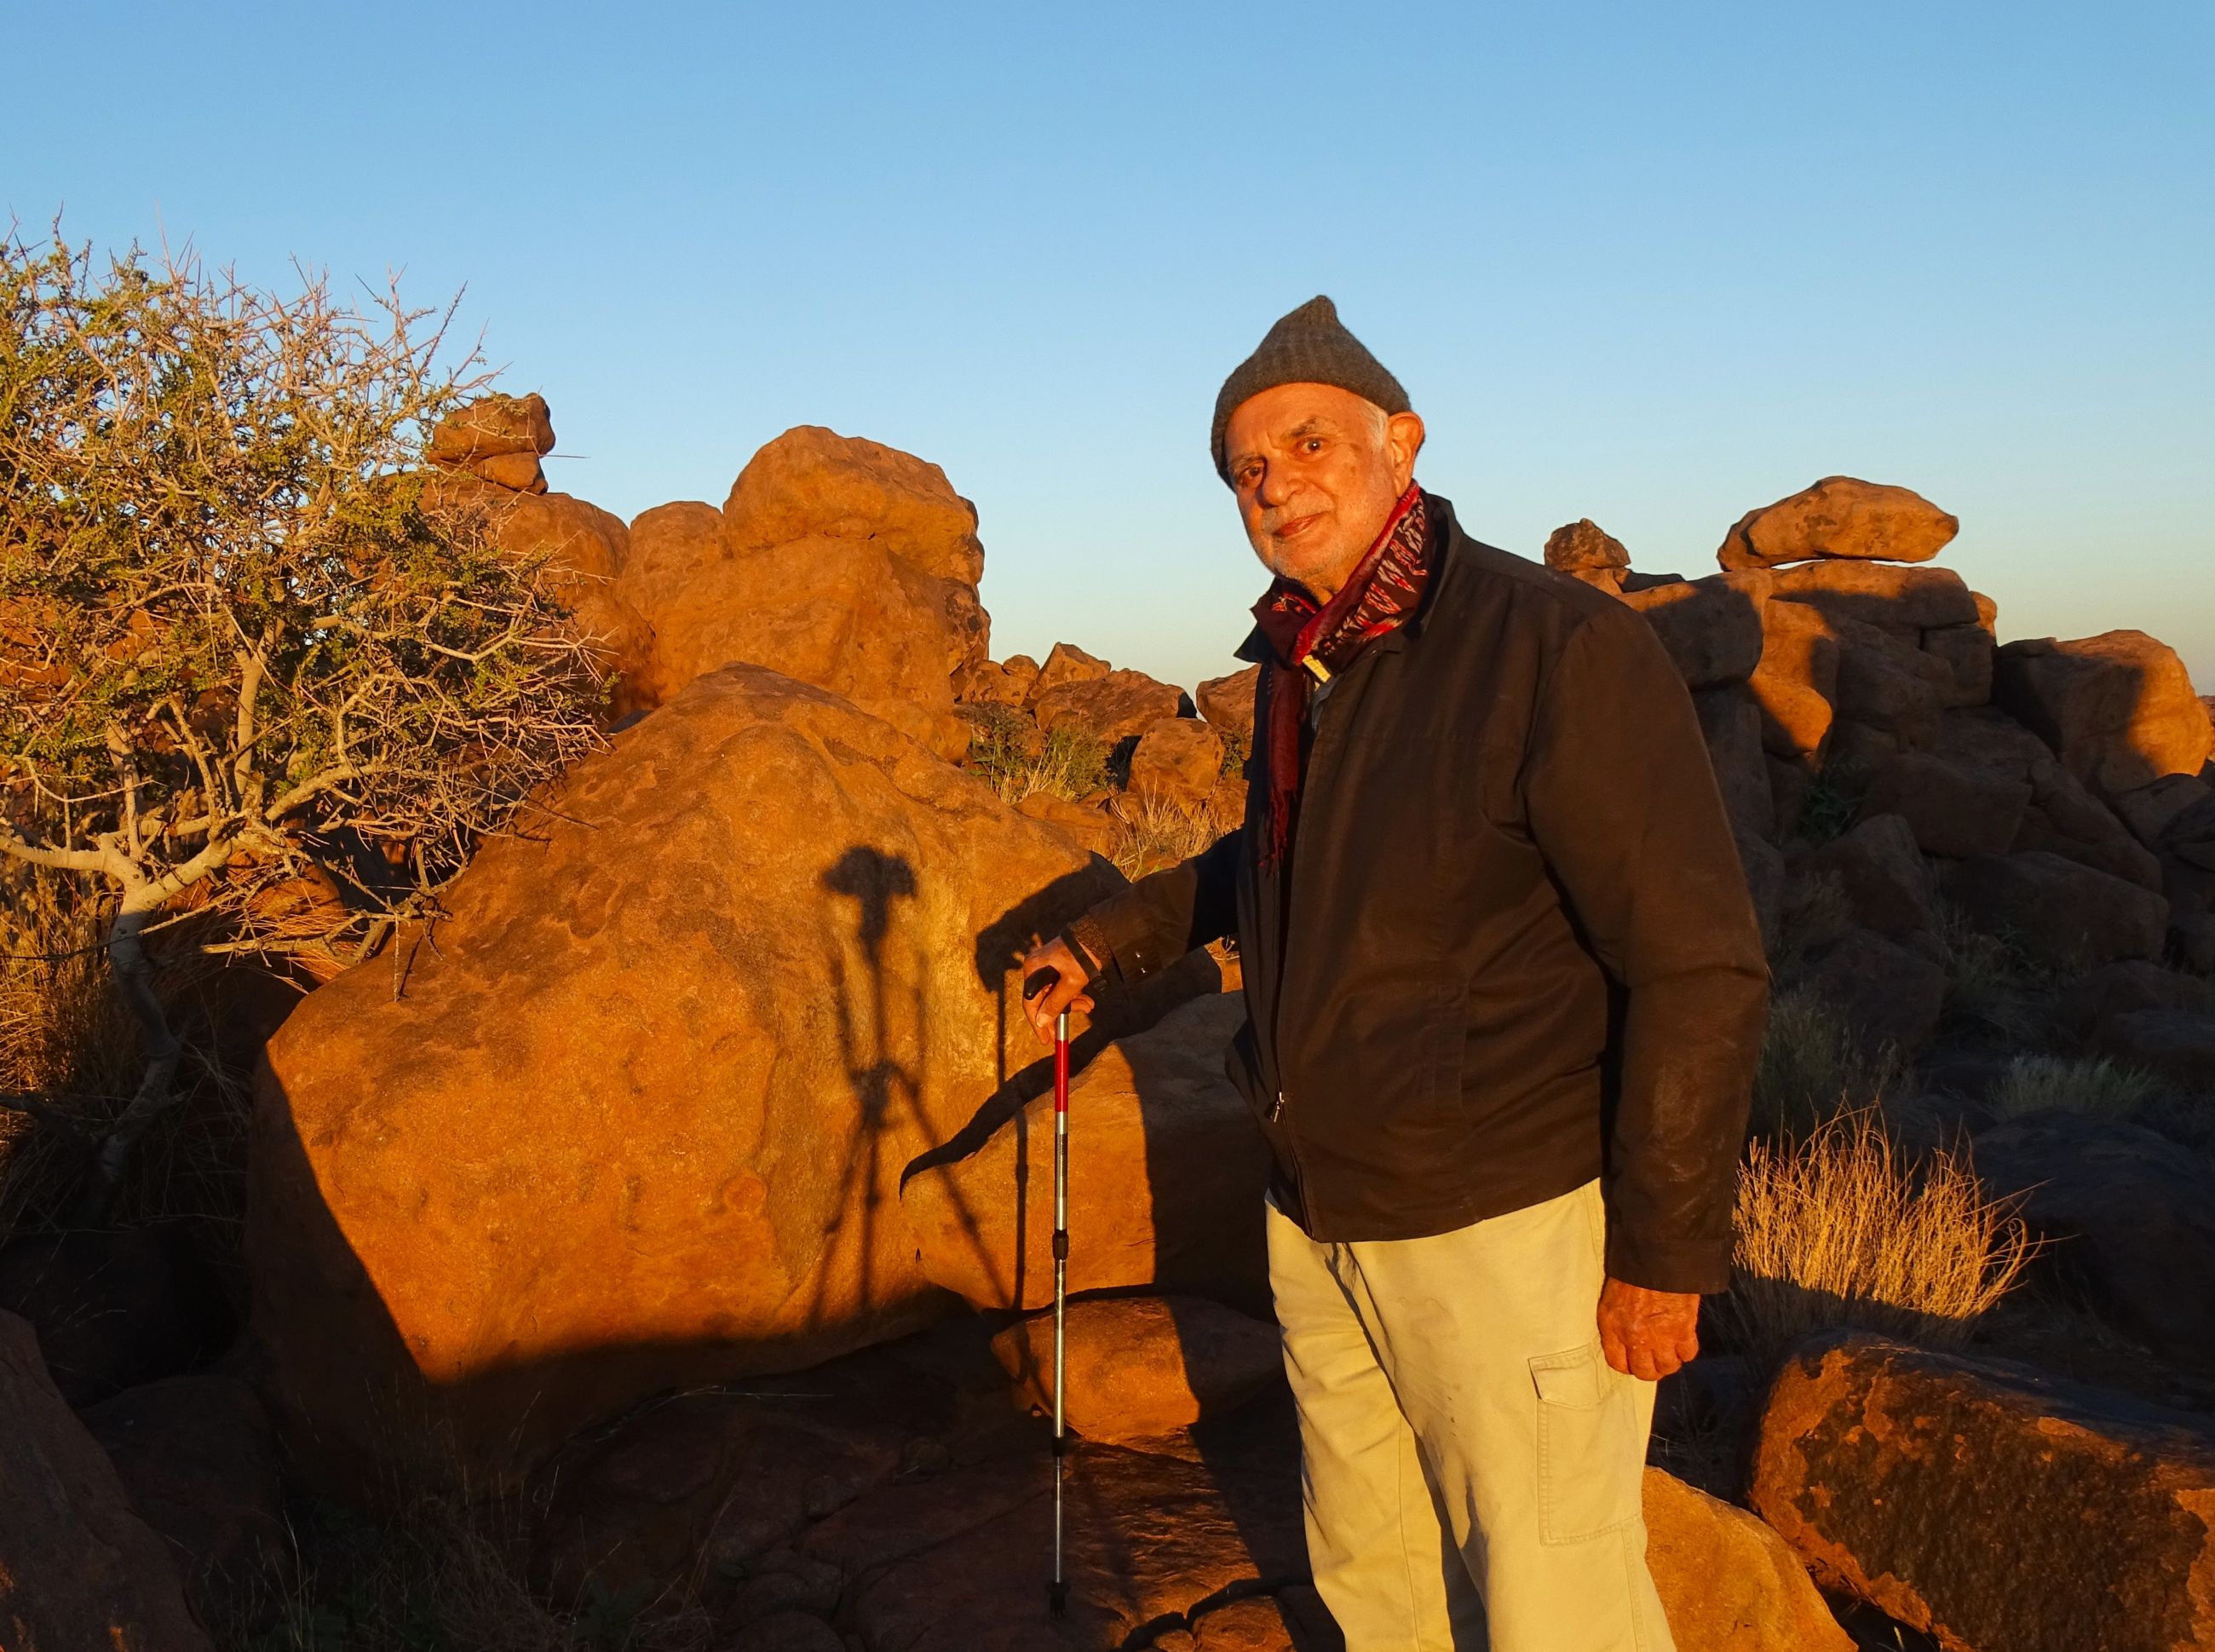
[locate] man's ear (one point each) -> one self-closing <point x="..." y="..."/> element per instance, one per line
<point x="1403" y="440"/>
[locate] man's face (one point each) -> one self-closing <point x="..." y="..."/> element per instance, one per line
<point x="1317" y="471"/>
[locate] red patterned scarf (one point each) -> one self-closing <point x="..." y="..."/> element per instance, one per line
<point x="1311" y="644"/>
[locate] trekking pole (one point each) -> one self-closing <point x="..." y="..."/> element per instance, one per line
<point x="1057" y="1591"/>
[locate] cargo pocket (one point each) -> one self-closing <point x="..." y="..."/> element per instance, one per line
<point x="1589" y="1472"/>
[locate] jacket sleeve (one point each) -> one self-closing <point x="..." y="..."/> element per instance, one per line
<point x="1623" y="803"/>
<point x="1165" y="915"/>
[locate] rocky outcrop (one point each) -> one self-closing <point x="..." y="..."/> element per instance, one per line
<point x="199" y="1460"/>
<point x="2117" y="709"/>
<point x="1140" y="1368"/>
<point x="1991" y="1507"/>
<point x="1165" y="1187"/>
<point x="634" y="1113"/>
<point x="1840" y="517"/>
<point x="2177" y="1044"/>
<point x="835" y="560"/>
<point x="1583" y="550"/>
<point x="1950" y="809"/>
<point x="78" y="1568"/>
<point x="1887" y="885"/>
<point x="1726" y="1581"/>
<point x="2130" y="1218"/>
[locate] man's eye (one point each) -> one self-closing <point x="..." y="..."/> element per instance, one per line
<point x="1313" y="445"/>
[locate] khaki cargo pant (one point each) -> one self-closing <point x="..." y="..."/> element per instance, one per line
<point x="1467" y="1453"/>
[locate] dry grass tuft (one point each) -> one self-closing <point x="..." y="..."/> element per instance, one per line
<point x="2089" y="1085"/>
<point x="1152" y="833"/>
<point x="1813" y="1067"/>
<point x="1838" y="1229"/>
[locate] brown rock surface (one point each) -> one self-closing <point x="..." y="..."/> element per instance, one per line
<point x="1887" y="994"/>
<point x="1887" y="885"/>
<point x="1840" y="517"/>
<point x="812" y="483"/>
<point x="2061" y="912"/>
<point x="1982" y="1503"/>
<point x="993" y="683"/>
<point x="637" y="1118"/>
<point x="1950" y="809"/>
<point x="492" y="426"/>
<point x="1167" y="1174"/>
<point x="2062" y="818"/>
<point x="1712" y="628"/>
<point x="1110" y="709"/>
<point x="1967" y="652"/>
<point x="1905" y="601"/>
<point x="1138" y="1368"/>
<point x="1887" y="683"/>
<point x="2117" y="709"/>
<point x="2131" y="1218"/>
<point x="1582" y="544"/>
<point x="78" y="1568"/>
<point x="1227" y="703"/>
<point x="1726" y="1581"/>
<point x="1178" y="760"/>
<point x="1067" y="663"/>
<point x="2135" y="984"/>
<point x="1795" y="681"/>
<point x="199" y="1460"/>
<point x="115" y="1308"/>
<point x="1090" y="829"/>
<point x="1731" y="722"/>
<point x="2177" y="1044"/>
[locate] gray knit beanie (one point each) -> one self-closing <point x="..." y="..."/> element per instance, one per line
<point x="1308" y="346"/>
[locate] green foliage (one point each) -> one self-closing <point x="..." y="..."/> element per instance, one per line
<point x="242" y="634"/>
<point x="1831" y="803"/>
<point x="1007" y="751"/>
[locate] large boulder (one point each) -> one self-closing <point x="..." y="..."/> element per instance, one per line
<point x="2130" y="1217"/>
<point x="1886" y="994"/>
<point x="1582" y="546"/>
<point x="835" y="560"/>
<point x="2059" y="911"/>
<point x="1842" y="517"/>
<point x="1166" y="1184"/>
<point x="1731" y="722"/>
<point x="1711" y="628"/>
<point x="1067" y="663"/>
<point x="1177" y="760"/>
<point x="199" y="1460"/>
<point x="1110" y="709"/>
<point x="1141" y="1367"/>
<point x="1991" y="1506"/>
<point x="2118" y="708"/>
<point x="2177" y="1044"/>
<point x="78" y="1567"/>
<point x="1726" y="1581"/>
<point x="2062" y="818"/>
<point x="1950" y="809"/>
<point x="1884" y="877"/>
<point x="1888" y="684"/>
<point x="634" y="1113"/>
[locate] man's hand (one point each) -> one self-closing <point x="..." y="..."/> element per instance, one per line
<point x="1647" y="1334"/>
<point x="1067" y="993"/>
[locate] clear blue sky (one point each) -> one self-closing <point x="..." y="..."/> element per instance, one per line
<point x="1651" y="264"/>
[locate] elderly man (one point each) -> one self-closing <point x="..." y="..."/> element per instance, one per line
<point x="1504" y="989"/>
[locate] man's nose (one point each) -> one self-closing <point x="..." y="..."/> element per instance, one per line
<point x="1275" y="489"/>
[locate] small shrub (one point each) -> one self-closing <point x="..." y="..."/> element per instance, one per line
<point x="2090" y="1085"/>
<point x="1837" y="1230"/>
<point x="1993" y="994"/>
<point x="1831" y="802"/>
<point x="1813" y="1066"/>
<point x="1069" y="764"/>
<point x="1003" y="743"/>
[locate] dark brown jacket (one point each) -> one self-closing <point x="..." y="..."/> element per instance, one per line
<point x="1517" y="950"/>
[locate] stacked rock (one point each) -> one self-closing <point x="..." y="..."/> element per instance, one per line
<point x="498" y="439"/>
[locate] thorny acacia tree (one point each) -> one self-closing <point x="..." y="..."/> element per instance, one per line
<point x="247" y="645"/>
